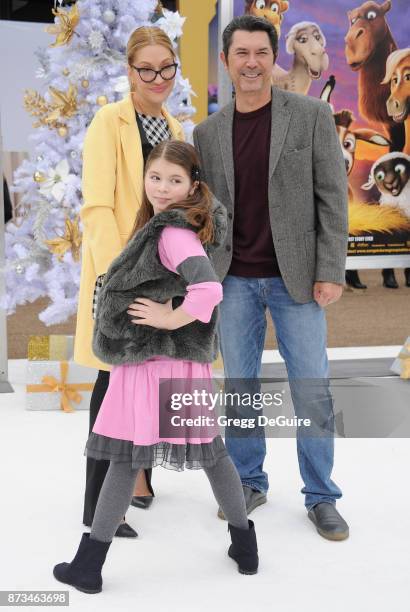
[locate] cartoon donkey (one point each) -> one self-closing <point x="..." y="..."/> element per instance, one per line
<point x="349" y="137"/>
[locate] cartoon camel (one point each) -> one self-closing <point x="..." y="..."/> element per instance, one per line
<point x="369" y="42"/>
<point x="398" y="76"/>
<point x="272" y="10"/>
<point x="307" y="43"/>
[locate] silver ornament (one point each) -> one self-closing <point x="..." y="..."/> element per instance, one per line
<point x="73" y="154"/>
<point x="40" y="158"/>
<point x="109" y="16"/>
<point x="19" y="269"/>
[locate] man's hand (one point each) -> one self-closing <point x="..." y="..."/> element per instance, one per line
<point x="326" y="293"/>
<point x="151" y="313"/>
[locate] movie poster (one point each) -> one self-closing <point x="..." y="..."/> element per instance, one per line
<point x="356" y="56"/>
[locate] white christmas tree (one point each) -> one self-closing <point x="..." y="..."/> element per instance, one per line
<point x="83" y="69"/>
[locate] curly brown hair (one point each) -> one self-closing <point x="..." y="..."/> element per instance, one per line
<point x="198" y="206"/>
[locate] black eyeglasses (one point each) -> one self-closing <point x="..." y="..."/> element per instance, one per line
<point x="148" y="75"/>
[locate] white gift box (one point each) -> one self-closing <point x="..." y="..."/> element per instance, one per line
<point x="59" y="385"/>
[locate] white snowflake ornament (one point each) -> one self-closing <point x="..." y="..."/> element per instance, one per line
<point x="171" y="23"/>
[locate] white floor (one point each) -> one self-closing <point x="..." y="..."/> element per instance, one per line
<point x="179" y="561"/>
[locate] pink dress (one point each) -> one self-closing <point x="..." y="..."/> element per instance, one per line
<point x="127" y="427"/>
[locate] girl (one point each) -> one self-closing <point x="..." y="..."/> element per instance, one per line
<point x="165" y="265"/>
<point x="117" y="143"/>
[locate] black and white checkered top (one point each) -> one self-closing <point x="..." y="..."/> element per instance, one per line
<point x="97" y="288"/>
<point x="156" y="130"/>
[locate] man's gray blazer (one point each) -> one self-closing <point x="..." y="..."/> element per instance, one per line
<point x="307" y="189"/>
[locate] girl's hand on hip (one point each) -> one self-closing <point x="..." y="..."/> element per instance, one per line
<point x="151" y="313"/>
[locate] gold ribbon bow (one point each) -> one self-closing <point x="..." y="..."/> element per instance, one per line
<point x="69" y="391"/>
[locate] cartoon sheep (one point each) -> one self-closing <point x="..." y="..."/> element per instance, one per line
<point x="391" y="174"/>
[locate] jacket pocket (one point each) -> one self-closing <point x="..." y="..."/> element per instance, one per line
<point x="298" y="151"/>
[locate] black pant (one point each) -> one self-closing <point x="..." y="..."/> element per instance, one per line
<point x="97" y="468"/>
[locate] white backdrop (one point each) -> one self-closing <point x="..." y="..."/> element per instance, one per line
<point x="18" y="65"/>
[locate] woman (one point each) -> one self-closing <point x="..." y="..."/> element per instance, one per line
<point x="117" y="143"/>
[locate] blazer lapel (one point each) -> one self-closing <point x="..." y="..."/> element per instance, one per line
<point x="225" y="125"/>
<point x="131" y="145"/>
<point x="279" y="127"/>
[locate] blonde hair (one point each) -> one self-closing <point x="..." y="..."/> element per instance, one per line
<point x="147" y="35"/>
<point x="393" y="61"/>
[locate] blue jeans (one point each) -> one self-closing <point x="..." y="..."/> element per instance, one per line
<point x="301" y="337"/>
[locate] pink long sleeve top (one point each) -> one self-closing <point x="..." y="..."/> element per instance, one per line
<point x="181" y="251"/>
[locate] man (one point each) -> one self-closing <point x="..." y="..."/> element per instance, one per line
<point x="274" y="159"/>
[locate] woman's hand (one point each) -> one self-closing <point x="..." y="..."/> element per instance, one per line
<point x="151" y="313"/>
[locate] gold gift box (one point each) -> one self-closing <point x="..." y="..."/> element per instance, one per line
<point x="401" y="365"/>
<point x="50" y="348"/>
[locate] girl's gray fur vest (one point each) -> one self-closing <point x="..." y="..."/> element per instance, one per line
<point x="138" y="272"/>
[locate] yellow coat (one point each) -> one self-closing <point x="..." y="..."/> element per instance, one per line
<point x="112" y="191"/>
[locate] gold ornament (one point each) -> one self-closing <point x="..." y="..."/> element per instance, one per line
<point x="62" y="131"/>
<point x="65" y="29"/>
<point x="36" y="106"/>
<point x="62" y="105"/>
<point x="85" y="83"/>
<point x="102" y="100"/>
<point x="66" y="72"/>
<point x="39" y="177"/>
<point x="71" y="240"/>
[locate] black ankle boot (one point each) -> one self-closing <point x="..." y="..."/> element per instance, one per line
<point x="244" y="548"/>
<point x="389" y="279"/>
<point x="353" y="280"/>
<point x="84" y="571"/>
<point x="407" y="276"/>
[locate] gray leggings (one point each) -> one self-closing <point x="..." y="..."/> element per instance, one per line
<point x="118" y="488"/>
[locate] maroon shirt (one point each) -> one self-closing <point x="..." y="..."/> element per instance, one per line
<point x="253" y="250"/>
